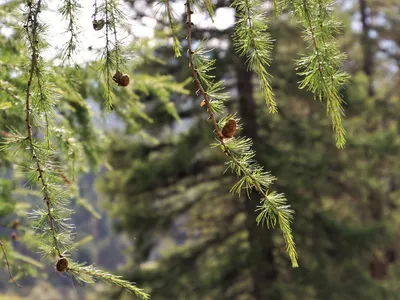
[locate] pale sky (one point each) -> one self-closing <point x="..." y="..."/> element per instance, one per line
<point x="224" y="18"/>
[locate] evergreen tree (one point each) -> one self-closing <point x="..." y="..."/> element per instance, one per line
<point x="53" y="138"/>
<point x="47" y="130"/>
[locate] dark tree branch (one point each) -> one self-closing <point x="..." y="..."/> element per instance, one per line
<point x="8" y="264"/>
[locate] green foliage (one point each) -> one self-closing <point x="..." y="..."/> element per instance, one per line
<point x="241" y="156"/>
<point x="87" y="274"/>
<point x="70" y="11"/>
<point x="52" y="119"/>
<point x="166" y="4"/>
<point x="112" y="58"/>
<point x="321" y="68"/>
<point x="166" y="177"/>
<point x="214" y="90"/>
<point x="6" y="204"/>
<point x="252" y="39"/>
<point x="209" y="6"/>
<point x="161" y="87"/>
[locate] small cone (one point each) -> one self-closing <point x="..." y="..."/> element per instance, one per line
<point x="62" y="265"/>
<point x="229" y="129"/>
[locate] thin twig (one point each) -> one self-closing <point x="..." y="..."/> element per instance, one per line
<point x="176" y="43"/>
<point x="8" y="265"/>
<point x="317" y="52"/>
<point x="327" y="81"/>
<point x="32" y="21"/>
<point x="196" y="77"/>
<point x="169" y="13"/>
<point x="95" y="9"/>
<point x="207" y="100"/>
<point x="243" y="170"/>
<point x="116" y="41"/>
<point x="70" y="28"/>
<point x="108" y="56"/>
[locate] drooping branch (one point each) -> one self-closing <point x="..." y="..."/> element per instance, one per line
<point x="108" y="60"/>
<point x="273" y="207"/>
<point x="88" y="274"/>
<point x="174" y="28"/>
<point x="32" y="33"/>
<point x="322" y="67"/>
<point x="116" y="40"/>
<point x="108" y="15"/>
<point x="195" y="73"/>
<point x="56" y="234"/>
<point x="252" y="39"/>
<point x="70" y="11"/>
<point x="44" y="103"/>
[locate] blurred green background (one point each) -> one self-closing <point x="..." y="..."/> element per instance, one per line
<point x="168" y="221"/>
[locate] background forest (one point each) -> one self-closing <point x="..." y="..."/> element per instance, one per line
<point x="153" y="202"/>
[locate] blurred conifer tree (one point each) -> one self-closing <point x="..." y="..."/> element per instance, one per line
<point x="191" y="240"/>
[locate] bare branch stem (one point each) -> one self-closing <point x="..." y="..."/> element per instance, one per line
<point x="192" y="66"/>
<point x="32" y="22"/>
<point x="8" y="264"/>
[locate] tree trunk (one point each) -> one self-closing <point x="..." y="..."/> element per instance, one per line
<point x="368" y="63"/>
<point x="261" y="259"/>
<point x="378" y="265"/>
